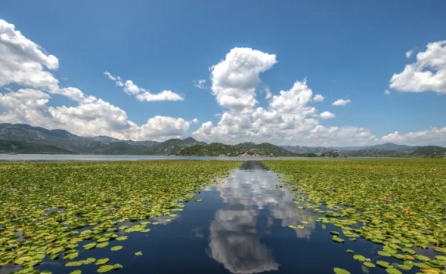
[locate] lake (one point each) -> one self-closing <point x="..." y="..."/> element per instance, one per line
<point x="77" y="157"/>
<point x="241" y="226"/>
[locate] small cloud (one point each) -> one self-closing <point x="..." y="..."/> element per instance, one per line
<point x="386" y="92"/>
<point x="217" y="114"/>
<point x="268" y="93"/>
<point x="341" y="102"/>
<point x="165" y="95"/>
<point x="195" y="121"/>
<point x="143" y="94"/>
<point x="117" y="79"/>
<point x="201" y="84"/>
<point x="318" y="98"/>
<point x="327" y="115"/>
<point x="409" y="53"/>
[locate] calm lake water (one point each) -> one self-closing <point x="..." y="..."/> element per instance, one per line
<point x="75" y="157"/>
<point x="241" y="226"/>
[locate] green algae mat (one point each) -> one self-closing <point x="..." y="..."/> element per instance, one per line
<point x="397" y="204"/>
<point x="57" y="210"/>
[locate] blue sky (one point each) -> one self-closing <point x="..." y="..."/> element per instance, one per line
<point x="344" y="49"/>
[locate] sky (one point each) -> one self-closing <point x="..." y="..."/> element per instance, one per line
<point x="313" y="73"/>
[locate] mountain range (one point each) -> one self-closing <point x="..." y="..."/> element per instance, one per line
<point x="23" y="138"/>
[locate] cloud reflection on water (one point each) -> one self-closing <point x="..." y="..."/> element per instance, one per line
<point x="234" y="238"/>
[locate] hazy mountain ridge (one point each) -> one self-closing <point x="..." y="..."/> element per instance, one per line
<point x="242" y="149"/>
<point x="88" y="145"/>
<point x="30" y="148"/>
<point x="31" y="139"/>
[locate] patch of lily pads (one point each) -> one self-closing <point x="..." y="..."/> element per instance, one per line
<point x="399" y="205"/>
<point x="55" y="211"/>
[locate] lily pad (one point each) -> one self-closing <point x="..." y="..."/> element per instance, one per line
<point x="116" y="248"/>
<point x="338" y="270"/>
<point x="105" y="268"/>
<point x="102" y="261"/>
<point x="122" y="238"/>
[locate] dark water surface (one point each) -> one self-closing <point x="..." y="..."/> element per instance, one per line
<point x="241" y="226"/>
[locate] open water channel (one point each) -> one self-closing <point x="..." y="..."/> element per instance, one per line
<point x="241" y="226"/>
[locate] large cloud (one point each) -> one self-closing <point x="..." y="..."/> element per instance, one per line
<point x="23" y="62"/>
<point x="234" y="80"/>
<point x="288" y="118"/>
<point x="432" y="136"/>
<point x="428" y="73"/>
<point x="24" y="67"/>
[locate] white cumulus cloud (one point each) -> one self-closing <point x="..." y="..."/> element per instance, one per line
<point x="386" y="92"/>
<point x="234" y="80"/>
<point x="432" y="136"/>
<point x="327" y="115"/>
<point x="428" y="73"/>
<point x="287" y="119"/>
<point x="341" y="102"/>
<point x="24" y="62"/>
<point x="318" y="98"/>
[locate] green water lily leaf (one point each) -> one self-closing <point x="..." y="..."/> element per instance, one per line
<point x="359" y="257"/>
<point x="392" y="270"/>
<point x="116" y="248"/>
<point x="105" y="268"/>
<point x="383" y="264"/>
<point x="71" y="256"/>
<point x="101" y="245"/>
<point x="338" y="239"/>
<point x="76" y="272"/>
<point x="122" y="238"/>
<point x="117" y="266"/>
<point x="350" y="251"/>
<point x="89" y="246"/>
<point x="102" y="261"/>
<point x="369" y="264"/>
<point x="440" y="257"/>
<point x="338" y="270"/>
<point x="139" y="253"/>
<point x="405" y="266"/>
<point x="422" y="258"/>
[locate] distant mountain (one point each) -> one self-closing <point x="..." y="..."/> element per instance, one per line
<point x="30" y="148"/>
<point x="429" y="152"/>
<point x="264" y="149"/>
<point x="23" y="138"/>
<point x="40" y="137"/>
<point x="212" y="149"/>
<point x="243" y="149"/>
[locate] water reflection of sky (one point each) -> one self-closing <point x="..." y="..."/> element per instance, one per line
<point x="235" y="236"/>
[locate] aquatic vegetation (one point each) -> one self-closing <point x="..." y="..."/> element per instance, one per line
<point x="399" y="205"/>
<point x="57" y="210"/>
